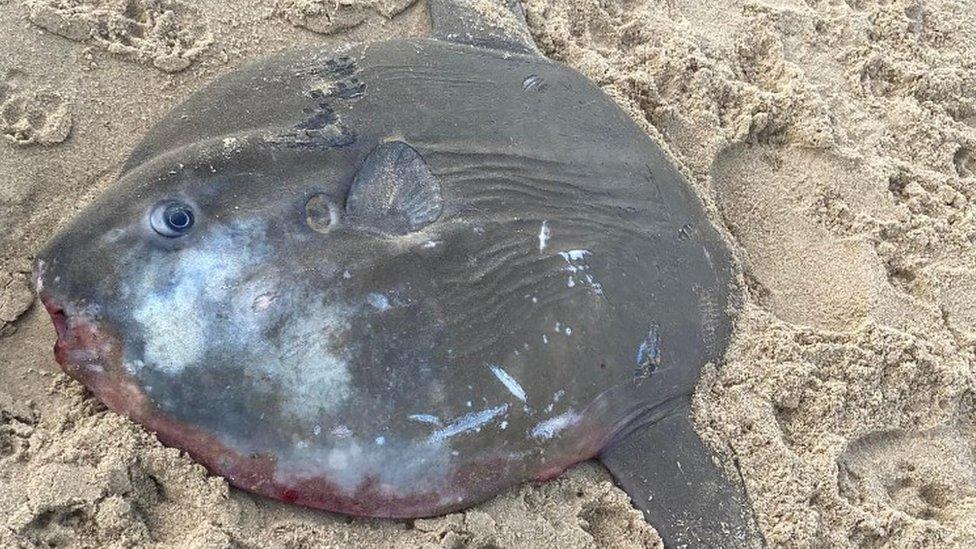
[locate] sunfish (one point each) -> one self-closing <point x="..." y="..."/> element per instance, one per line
<point x="394" y="279"/>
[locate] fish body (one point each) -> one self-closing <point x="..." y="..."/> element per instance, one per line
<point x="392" y="279"/>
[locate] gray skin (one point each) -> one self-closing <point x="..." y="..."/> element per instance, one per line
<point x="419" y="272"/>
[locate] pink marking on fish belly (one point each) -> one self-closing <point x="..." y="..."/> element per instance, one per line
<point x="549" y="474"/>
<point x="252" y="472"/>
<point x="92" y="355"/>
<point x="588" y="441"/>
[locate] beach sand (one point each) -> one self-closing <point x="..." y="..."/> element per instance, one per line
<point x="833" y="141"/>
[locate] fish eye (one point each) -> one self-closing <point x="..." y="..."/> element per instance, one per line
<point x="171" y="219"/>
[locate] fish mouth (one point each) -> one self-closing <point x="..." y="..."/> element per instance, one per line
<point x="58" y="318"/>
<point x="81" y="342"/>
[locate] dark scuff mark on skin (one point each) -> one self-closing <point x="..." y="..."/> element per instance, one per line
<point x="343" y="89"/>
<point x="320" y="119"/>
<point x="323" y="129"/>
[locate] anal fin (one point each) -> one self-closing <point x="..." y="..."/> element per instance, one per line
<point x="671" y="477"/>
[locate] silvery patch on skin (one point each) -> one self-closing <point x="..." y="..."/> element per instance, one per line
<point x="579" y="270"/>
<point x="551" y="427"/>
<point x="208" y="298"/>
<point x="378" y="301"/>
<point x="555" y="400"/>
<point x="174" y="294"/>
<point x="308" y="358"/>
<point x="349" y="463"/>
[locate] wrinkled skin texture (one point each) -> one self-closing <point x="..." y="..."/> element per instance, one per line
<point x="384" y="361"/>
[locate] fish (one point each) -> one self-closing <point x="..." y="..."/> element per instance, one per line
<point x="394" y="279"/>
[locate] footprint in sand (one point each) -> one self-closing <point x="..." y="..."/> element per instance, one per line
<point x="16" y="297"/>
<point x="166" y="34"/>
<point x="955" y="292"/>
<point x="927" y="475"/>
<point x="329" y="16"/>
<point x="797" y="268"/>
<point x="965" y="162"/>
<point x="29" y="117"/>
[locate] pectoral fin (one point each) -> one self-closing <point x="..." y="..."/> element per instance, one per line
<point x="394" y="191"/>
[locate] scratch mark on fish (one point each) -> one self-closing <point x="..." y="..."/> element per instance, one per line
<point x="508" y="381"/>
<point x="544" y="234"/>
<point x="425" y="418"/>
<point x="467" y="422"/>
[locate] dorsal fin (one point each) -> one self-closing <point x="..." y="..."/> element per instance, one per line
<point x="495" y="24"/>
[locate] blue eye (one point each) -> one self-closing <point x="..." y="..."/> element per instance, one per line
<point x="171" y="219"/>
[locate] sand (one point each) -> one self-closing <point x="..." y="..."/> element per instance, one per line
<point x="833" y="141"/>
